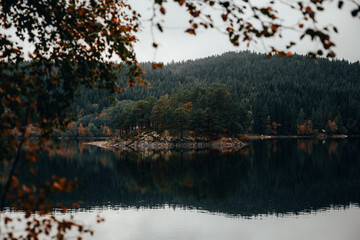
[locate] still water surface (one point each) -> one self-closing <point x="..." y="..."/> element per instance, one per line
<point x="276" y="189"/>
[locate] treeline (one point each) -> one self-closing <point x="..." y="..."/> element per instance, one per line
<point x="294" y="95"/>
<point x="90" y="123"/>
<point x="203" y="112"/>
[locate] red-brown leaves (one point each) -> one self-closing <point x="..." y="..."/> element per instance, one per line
<point x="188" y="106"/>
<point x="62" y="185"/>
<point x="162" y="10"/>
<point x="282" y="54"/>
<point x="274" y="27"/>
<point x="82" y="130"/>
<point x="14" y="182"/>
<point x="106" y="131"/>
<point x="190" y="31"/>
<point x="157" y="65"/>
<point x="181" y="2"/>
<point x="310" y="12"/>
<point x="117" y="89"/>
<point x="7" y="220"/>
<point x="75" y="205"/>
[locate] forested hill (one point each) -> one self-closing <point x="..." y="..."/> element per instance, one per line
<point x="287" y="91"/>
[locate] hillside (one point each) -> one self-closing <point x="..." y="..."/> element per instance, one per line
<point x="279" y="94"/>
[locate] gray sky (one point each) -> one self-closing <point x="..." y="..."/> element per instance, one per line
<point x="175" y="44"/>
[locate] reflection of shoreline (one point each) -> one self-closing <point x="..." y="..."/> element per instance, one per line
<point x="335" y="136"/>
<point x="181" y="207"/>
<point x="168" y="223"/>
<point x="271" y="176"/>
<point x="166" y="145"/>
<point x="123" y="207"/>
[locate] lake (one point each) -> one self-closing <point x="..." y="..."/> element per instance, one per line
<point x="274" y="189"/>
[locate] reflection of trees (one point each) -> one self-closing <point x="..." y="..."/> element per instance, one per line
<point x="305" y="145"/>
<point x="289" y="179"/>
<point x="333" y="147"/>
<point x="284" y="176"/>
<point x="198" y="174"/>
<point x="312" y="178"/>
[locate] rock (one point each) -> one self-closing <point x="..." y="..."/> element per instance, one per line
<point x="145" y="145"/>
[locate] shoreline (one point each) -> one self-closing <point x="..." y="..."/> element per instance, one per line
<point x="167" y="145"/>
<point x="335" y="136"/>
<point x="220" y="144"/>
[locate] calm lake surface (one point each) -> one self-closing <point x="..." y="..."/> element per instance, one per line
<point x="275" y="189"/>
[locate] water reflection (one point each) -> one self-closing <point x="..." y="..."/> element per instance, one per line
<point x="271" y="177"/>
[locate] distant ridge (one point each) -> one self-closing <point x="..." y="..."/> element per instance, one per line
<point x="288" y="91"/>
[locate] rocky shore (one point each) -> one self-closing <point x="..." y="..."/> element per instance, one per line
<point x="227" y="143"/>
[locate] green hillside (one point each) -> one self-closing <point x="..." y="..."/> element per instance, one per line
<point x="280" y="95"/>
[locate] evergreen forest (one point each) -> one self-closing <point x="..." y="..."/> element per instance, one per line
<point x="229" y="94"/>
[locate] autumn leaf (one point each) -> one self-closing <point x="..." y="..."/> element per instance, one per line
<point x="190" y="31"/>
<point x="7" y="220"/>
<point x="162" y="10"/>
<point x="181" y="2"/>
<point x="157" y="65"/>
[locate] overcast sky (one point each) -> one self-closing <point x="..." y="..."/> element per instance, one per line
<point x="176" y="45"/>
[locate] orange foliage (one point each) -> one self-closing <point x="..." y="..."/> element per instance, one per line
<point x="188" y="106"/>
<point x="271" y="128"/>
<point x="106" y="131"/>
<point x="305" y="128"/>
<point x="82" y="130"/>
<point x="332" y="126"/>
<point x="32" y="130"/>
